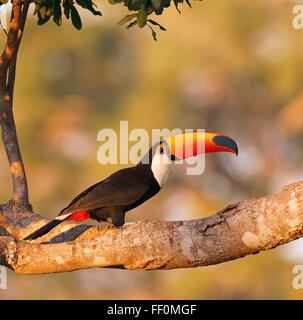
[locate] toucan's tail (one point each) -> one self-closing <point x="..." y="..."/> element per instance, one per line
<point x="43" y="230"/>
<point x="77" y="216"/>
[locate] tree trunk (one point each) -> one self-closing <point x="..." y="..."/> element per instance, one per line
<point x="20" y="198"/>
<point x="10" y="141"/>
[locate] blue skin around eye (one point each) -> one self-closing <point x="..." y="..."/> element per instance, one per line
<point x="161" y="150"/>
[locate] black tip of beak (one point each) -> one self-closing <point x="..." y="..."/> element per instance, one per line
<point x="224" y="141"/>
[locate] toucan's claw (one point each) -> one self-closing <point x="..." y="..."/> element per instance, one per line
<point x="129" y="223"/>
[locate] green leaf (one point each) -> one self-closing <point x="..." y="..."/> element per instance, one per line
<point x="187" y="1"/>
<point x="89" y="5"/>
<point x="142" y="17"/>
<point x="166" y="3"/>
<point x="127" y="18"/>
<point x="42" y="20"/>
<point x="135" y="5"/>
<point x="153" y="33"/>
<point x="156" y="24"/>
<point x="176" y="2"/>
<point x="76" y="20"/>
<point x="42" y="12"/>
<point x="37" y="8"/>
<point x="149" y="8"/>
<point x="156" y="3"/>
<point x="66" y="8"/>
<point x="114" y="1"/>
<point x="158" y="12"/>
<point x="57" y="13"/>
<point x="132" y="24"/>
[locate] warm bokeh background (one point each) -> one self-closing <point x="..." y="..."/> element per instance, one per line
<point x="229" y="66"/>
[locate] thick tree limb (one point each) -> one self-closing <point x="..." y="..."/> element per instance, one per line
<point x="245" y="228"/>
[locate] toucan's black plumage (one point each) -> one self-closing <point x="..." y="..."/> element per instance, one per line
<point x="109" y="199"/>
<point x="112" y="197"/>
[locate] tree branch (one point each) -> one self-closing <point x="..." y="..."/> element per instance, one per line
<point x="10" y="141"/>
<point x="236" y="231"/>
<point x="15" y="32"/>
<point x="7" y="81"/>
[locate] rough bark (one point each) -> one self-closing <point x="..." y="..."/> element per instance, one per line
<point x="8" y="61"/>
<point x="238" y="230"/>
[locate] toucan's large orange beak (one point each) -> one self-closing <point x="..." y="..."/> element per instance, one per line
<point x="189" y="144"/>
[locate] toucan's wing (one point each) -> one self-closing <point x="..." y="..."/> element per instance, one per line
<point x="123" y="188"/>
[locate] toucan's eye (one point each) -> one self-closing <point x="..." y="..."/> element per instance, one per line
<point x="161" y="150"/>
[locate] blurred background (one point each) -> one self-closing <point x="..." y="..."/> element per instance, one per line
<point x="229" y="66"/>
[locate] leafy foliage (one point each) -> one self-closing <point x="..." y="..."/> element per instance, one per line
<point x="45" y="9"/>
<point x="145" y="8"/>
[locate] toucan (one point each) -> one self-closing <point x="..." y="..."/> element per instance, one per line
<point x="124" y="190"/>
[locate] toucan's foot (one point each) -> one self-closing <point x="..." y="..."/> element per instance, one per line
<point x="125" y="225"/>
<point x="106" y="224"/>
<point x="128" y="223"/>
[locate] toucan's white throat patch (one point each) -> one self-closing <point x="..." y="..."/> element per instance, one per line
<point x="160" y="167"/>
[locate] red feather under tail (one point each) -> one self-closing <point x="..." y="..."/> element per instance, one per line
<point x="79" y="216"/>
